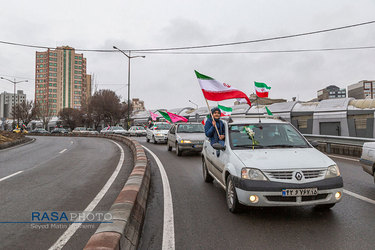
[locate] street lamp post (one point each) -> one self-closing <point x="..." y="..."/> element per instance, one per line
<point x="194" y="104"/>
<point x="129" y="57"/>
<point x="14" y="97"/>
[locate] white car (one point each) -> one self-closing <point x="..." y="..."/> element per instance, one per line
<point x="114" y="130"/>
<point x="367" y="159"/>
<point x="186" y="137"/>
<point x="268" y="162"/>
<point x="158" y="132"/>
<point x="137" y="131"/>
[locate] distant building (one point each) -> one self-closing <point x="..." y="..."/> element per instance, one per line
<point x="61" y="80"/>
<point x="331" y="92"/>
<point x="138" y="105"/>
<point x="362" y="90"/>
<point x="7" y="101"/>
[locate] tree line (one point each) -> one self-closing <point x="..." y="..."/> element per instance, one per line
<point x="104" y="106"/>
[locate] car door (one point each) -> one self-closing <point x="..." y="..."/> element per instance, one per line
<point x="172" y="135"/>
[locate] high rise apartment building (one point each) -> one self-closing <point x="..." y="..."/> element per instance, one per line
<point x="61" y="80"/>
<point x="8" y="101"/>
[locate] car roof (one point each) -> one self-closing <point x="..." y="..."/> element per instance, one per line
<point x="183" y="123"/>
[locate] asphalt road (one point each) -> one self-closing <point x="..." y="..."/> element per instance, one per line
<point x="202" y="220"/>
<point x="59" y="174"/>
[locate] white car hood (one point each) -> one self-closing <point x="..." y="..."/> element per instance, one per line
<point x="192" y="136"/>
<point x="290" y="158"/>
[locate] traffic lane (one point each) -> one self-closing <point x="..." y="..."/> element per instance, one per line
<point x="67" y="182"/>
<point x="203" y="221"/>
<point x="26" y="156"/>
<point x="152" y="231"/>
<point x="355" y="179"/>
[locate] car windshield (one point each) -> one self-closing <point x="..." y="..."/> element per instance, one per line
<point x="190" y="128"/>
<point x="265" y="135"/>
<point x="117" y="128"/>
<point x="140" y="128"/>
<point x="162" y="126"/>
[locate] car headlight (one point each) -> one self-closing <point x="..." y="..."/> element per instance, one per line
<point x="159" y="134"/>
<point x="185" y="141"/>
<point x="332" y="171"/>
<point x="253" y="174"/>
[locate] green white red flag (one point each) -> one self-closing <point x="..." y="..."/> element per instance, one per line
<point x="225" y="111"/>
<point x="217" y="91"/>
<point x="261" y="89"/>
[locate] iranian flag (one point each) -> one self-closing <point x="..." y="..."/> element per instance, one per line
<point x="217" y="91"/>
<point x="261" y="89"/>
<point x="225" y="111"/>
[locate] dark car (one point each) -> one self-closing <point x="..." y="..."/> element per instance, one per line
<point x="59" y="131"/>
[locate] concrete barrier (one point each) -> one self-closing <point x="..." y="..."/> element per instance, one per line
<point x="129" y="208"/>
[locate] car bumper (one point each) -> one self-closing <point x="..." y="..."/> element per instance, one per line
<point x="161" y="139"/>
<point x="190" y="147"/>
<point x="270" y="193"/>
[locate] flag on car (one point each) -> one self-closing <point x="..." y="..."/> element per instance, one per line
<point x="261" y="89"/>
<point x="225" y="111"/>
<point x="217" y="91"/>
<point x="165" y="115"/>
<point x="268" y="111"/>
<point x="153" y="116"/>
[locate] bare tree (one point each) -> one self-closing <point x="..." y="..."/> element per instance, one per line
<point x="71" y="117"/>
<point x="25" y="111"/>
<point x="104" y="106"/>
<point x="44" y="114"/>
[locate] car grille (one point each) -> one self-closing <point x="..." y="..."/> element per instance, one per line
<point x="286" y="175"/>
<point x="310" y="174"/>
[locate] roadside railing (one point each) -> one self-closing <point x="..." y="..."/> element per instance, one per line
<point x="343" y="145"/>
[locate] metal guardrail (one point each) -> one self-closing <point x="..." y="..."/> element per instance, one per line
<point x="338" y="140"/>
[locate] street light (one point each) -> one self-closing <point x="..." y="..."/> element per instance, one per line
<point x="194" y="103"/>
<point x="129" y="57"/>
<point x="14" y="97"/>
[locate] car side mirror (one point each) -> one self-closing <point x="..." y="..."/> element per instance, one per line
<point x="218" y="146"/>
<point x="314" y="144"/>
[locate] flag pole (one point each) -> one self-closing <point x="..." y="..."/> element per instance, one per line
<point x="209" y="109"/>
<point x="258" y="107"/>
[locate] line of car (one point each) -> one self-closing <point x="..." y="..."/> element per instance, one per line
<point x="264" y="162"/>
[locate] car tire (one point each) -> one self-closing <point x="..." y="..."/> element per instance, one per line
<point x="325" y="206"/>
<point x="169" y="148"/>
<point x="206" y="176"/>
<point x="178" y="151"/>
<point x="153" y="140"/>
<point x="147" y="140"/>
<point x="231" y="196"/>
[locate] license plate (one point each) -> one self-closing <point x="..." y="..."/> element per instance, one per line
<point x="300" y="192"/>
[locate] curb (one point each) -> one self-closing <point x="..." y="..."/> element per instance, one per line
<point x="129" y="209"/>
<point x="25" y="140"/>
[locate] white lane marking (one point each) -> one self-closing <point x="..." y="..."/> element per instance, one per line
<point x="7" y="177"/>
<point x="62" y="151"/>
<point x="168" y="224"/>
<point x="344" y="158"/>
<point x="60" y="243"/>
<point x="359" y="197"/>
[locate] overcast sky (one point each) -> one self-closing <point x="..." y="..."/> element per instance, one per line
<point x="168" y="81"/>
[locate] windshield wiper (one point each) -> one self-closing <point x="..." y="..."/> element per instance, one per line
<point x="284" y="146"/>
<point x="249" y="146"/>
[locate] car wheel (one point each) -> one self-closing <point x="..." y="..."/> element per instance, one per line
<point x="206" y="176"/>
<point x="169" y="147"/>
<point x="153" y="139"/>
<point x="325" y="206"/>
<point x="232" y="200"/>
<point x="178" y="151"/>
<point x="147" y="140"/>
